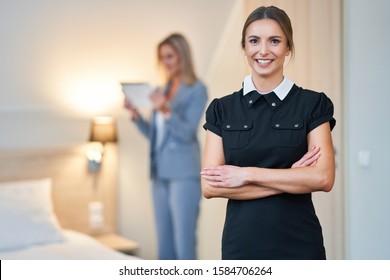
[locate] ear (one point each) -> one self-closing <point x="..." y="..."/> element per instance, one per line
<point x="288" y="52"/>
<point x="243" y="50"/>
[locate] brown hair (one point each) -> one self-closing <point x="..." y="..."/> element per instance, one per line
<point x="181" y="46"/>
<point x="276" y="14"/>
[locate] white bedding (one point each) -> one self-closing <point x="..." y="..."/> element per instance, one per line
<point x="77" y="246"/>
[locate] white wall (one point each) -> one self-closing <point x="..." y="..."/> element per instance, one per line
<point x="367" y="115"/>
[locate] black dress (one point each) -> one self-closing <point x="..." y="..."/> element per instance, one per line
<point x="264" y="131"/>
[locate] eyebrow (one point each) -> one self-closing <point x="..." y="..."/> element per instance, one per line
<point x="272" y="37"/>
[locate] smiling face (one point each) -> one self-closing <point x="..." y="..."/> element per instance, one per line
<point x="170" y="60"/>
<point x="266" y="48"/>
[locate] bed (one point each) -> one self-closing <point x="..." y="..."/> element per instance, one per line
<point x="76" y="246"/>
<point x="44" y="205"/>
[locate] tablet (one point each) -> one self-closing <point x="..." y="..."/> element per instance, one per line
<point x="138" y="93"/>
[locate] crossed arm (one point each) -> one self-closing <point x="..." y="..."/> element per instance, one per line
<point x="313" y="172"/>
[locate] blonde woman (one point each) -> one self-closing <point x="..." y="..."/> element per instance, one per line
<point x="174" y="149"/>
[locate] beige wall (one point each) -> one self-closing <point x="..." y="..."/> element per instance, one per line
<point x="224" y="76"/>
<point x="62" y="62"/>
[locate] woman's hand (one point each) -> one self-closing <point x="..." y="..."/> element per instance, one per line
<point x="133" y="110"/>
<point x="309" y="159"/>
<point x="225" y="176"/>
<point x="160" y="101"/>
<point x="229" y="176"/>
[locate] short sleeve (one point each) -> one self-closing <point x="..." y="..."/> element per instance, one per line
<point x="213" y="117"/>
<point x="322" y="112"/>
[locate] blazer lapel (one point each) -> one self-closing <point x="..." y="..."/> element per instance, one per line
<point x="180" y="94"/>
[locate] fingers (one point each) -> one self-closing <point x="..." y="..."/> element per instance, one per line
<point x="128" y="104"/>
<point x="224" y="176"/>
<point x="213" y="176"/>
<point x="157" y="96"/>
<point x="309" y="159"/>
<point x="311" y="156"/>
<point x="211" y="170"/>
<point x="314" y="150"/>
<point x="217" y="184"/>
<point x="311" y="153"/>
<point x="132" y="109"/>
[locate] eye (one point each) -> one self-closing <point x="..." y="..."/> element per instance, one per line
<point x="274" y="41"/>
<point x="253" y="41"/>
<point x="166" y="57"/>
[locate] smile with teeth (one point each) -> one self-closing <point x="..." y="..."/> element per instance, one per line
<point x="263" y="61"/>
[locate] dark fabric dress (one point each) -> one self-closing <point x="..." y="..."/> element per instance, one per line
<point x="264" y="131"/>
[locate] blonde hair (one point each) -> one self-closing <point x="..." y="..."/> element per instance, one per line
<point x="181" y="46"/>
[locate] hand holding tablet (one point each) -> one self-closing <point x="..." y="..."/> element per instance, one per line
<point x="138" y="93"/>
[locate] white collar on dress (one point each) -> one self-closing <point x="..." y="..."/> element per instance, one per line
<point x="281" y="90"/>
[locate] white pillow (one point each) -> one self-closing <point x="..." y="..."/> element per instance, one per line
<point x="26" y="214"/>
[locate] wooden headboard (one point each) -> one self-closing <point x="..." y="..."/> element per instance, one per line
<point x="74" y="186"/>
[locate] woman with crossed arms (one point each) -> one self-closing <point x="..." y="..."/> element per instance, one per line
<point x="268" y="147"/>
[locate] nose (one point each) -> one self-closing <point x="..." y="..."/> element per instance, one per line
<point x="263" y="49"/>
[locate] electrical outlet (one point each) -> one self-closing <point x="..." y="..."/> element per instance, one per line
<point x="364" y="158"/>
<point x="96" y="215"/>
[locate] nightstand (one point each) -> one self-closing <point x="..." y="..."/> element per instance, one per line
<point x="118" y="243"/>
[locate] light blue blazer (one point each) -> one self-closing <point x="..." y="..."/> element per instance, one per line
<point x="178" y="155"/>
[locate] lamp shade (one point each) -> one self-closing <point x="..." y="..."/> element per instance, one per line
<point x="103" y="129"/>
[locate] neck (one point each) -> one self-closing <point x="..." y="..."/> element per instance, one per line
<point x="266" y="84"/>
<point x="175" y="79"/>
<point x="175" y="84"/>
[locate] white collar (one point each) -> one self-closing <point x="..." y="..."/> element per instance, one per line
<point x="281" y="90"/>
